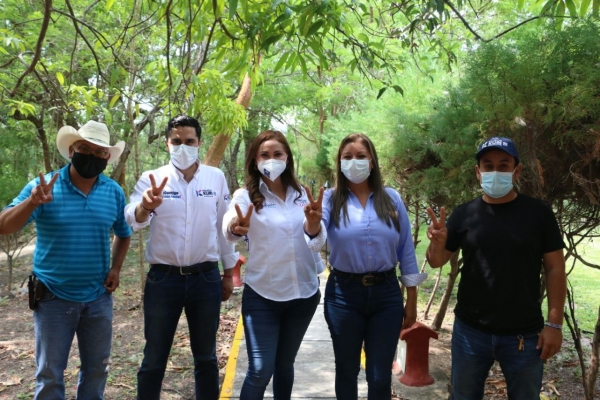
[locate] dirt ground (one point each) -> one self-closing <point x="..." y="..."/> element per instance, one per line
<point x="17" y="361"/>
<point x="562" y="379"/>
<point x="562" y="374"/>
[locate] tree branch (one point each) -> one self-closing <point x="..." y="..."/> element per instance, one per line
<point x="38" y="46"/>
<point x="477" y="36"/>
<point x="169" y="44"/>
<point x="226" y="31"/>
<point x="75" y="24"/>
<point x="5" y="65"/>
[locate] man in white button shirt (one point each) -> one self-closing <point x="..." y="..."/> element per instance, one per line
<point x="183" y="202"/>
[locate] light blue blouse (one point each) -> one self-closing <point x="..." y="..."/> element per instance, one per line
<point x="364" y="243"/>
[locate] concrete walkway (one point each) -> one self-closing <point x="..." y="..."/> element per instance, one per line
<point x="315" y="368"/>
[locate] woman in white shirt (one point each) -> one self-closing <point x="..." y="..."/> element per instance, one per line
<point x="281" y="293"/>
<point x="369" y="233"/>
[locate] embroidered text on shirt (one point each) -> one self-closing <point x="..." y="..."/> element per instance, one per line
<point x="171" y="195"/>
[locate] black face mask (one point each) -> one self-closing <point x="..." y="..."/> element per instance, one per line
<point x="88" y="165"/>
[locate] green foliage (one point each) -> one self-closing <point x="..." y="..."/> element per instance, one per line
<point x="136" y="63"/>
<point x="530" y="89"/>
<point x="17" y="163"/>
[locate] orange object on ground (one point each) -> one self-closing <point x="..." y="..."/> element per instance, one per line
<point x="416" y="369"/>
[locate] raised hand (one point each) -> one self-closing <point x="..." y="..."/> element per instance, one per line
<point x="152" y="197"/>
<point x="42" y="193"/>
<point x="437" y="231"/>
<point x="313" y="211"/>
<point x="239" y="225"/>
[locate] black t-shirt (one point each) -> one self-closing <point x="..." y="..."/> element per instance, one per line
<point x="502" y="248"/>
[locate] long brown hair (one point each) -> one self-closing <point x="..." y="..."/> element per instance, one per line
<point x="384" y="206"/>
<point x="253" y="175"/>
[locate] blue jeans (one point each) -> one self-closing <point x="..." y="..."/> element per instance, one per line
<point x="56" y="322"/>
<point x="357" y="313"/>
<point x="166" y="296"/>
<point x="474" y="352"/>
<point x="274" y="331"/>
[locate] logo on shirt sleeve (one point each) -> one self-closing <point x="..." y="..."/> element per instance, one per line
<point x="226" y="197"/>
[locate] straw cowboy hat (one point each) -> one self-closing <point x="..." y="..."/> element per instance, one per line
<point x="93" y="132"/>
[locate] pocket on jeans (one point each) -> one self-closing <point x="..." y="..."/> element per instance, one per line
<point x="156" y="277"/>
<point x="212" y="276"/>
<point x="339" y="281"/>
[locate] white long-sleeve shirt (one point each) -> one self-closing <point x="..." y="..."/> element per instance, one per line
<point x="185" y="228"/>
<point x="282" y="264"/>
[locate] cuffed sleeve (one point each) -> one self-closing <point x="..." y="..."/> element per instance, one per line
<point x="318" y="241"/>
<point x="411" y="280"/>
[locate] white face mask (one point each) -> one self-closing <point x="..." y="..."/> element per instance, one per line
<point x="272" y="168"/>
<point x="497" y="184"/>
<point x="356" y="171"/>
<point x="183" y="156"/>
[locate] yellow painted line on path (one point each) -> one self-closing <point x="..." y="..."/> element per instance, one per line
<point x="227" y="388"/>
<point x="230" y="368"/>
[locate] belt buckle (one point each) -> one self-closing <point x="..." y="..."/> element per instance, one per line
<point x="181" y="272"/>
<point x="366" y="281"/>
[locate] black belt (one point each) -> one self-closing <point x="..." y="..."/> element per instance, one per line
<point x="367" y="279"/>
<point x="191" y="270"/>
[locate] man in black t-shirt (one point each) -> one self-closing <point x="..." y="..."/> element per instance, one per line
<point x="506" y="238"/>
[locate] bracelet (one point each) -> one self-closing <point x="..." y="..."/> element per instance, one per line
<point x="227" y="276"/>
<point x="555" y="326"/>
<point x="147" y="209"/>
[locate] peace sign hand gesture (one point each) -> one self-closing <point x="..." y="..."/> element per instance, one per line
<point x="42" y="193"/>
<point x="239" y="225"/>
<point x="313" y="212"/>
<point x="152" y="197"/>
<point x="437" y="231"/>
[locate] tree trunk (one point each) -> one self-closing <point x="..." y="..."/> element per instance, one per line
<point x="592" y="372"/>
<point x="41" y="133"/>
<point x="231" y="166"/>
<point x="576" y="335"/>
<point x="9" y="261"/>
<point x="417" y="226"/>
<point x="219" y="144"/>
<point x="439" y="317"/>
<point x="433" y="292"/>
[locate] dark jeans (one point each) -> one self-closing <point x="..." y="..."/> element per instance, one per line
<point x="165" y="297"/>
<point x="274" y="331"/>
<point x="474" y="352"/>
<point x="357" y="313"/>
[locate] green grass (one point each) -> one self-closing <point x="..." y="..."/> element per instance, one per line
<point x="584" y="280"/>
<point x="586" y="286"/>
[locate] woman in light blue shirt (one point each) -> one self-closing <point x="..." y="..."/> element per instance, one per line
<point x="369" y="233"/>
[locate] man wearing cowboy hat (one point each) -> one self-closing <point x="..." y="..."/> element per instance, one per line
<point x="75" y="210"/>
